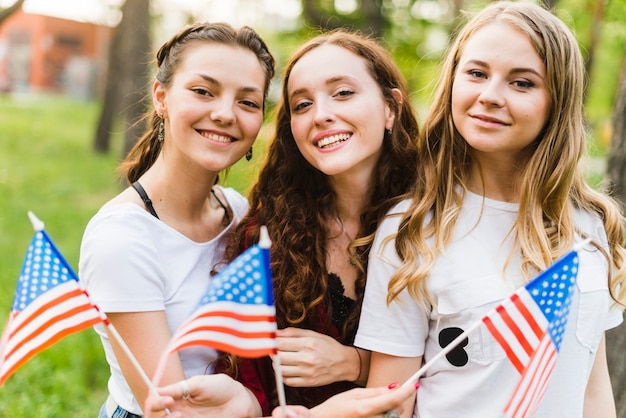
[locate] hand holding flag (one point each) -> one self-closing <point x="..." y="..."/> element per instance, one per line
<point x="237" y="313"/>
<point x="529" y="327"/>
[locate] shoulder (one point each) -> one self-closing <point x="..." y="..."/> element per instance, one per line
<point x="392" y="219"/>
<point x="387" y="229"/>
<point x="114" y="216"/>
<point x="590" y="224"/>
<point x="236" y="201"/>
<point x="117" y="229"/>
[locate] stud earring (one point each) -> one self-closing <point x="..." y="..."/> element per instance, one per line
<point x="388" y="132"/>
<point x="249" y="154"/>
<point x="161" y="134"/>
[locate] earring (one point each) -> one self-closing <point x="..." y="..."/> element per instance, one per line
<point x="249" y="154"/>
<point x="388" y="132"/>
<point x="161" y="134"/>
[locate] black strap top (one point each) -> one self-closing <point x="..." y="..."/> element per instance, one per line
<point x="144" y="196"/>
<point x="146" y="200"/>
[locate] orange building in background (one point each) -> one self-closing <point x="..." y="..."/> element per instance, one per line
<point x="47" y="54"/>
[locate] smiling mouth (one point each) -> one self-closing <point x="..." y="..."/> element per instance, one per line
<point x="488" y="120"/>
<point x="333" y="141"/>
<point x="216" y="138"/>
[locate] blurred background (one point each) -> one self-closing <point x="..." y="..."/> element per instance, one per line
<point x="74" y="77"/>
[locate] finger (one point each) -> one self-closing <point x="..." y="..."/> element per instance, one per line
<point x="390" y="399"/>
<point x="292" y="358"/>
<point x="293" y="344"/>
<point x="173" y="391"/>
<point x="157" y="404"/>
<point x="292" y="332"/>
<point x="290" y="371"/>
<point x="298" y="382"/>
<point x="292" y="412"/>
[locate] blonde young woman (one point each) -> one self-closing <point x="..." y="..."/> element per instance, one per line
<point x="501" y="196"/>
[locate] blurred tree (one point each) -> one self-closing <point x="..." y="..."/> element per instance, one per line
<point x="5" y="13"/>
<point x="616" y="166"/>
<point x="127" y="76"/>
<point x="367" y="16"/>
<point x="616" y="173"/>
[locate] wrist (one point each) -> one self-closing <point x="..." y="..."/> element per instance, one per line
<point x="359" y="365"/>
<point x="252" y="406"/>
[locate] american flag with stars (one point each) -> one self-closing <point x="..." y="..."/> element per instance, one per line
<point x="529" y="326"/>
<point x="237" y="313"/>
<point x="48" y="305"/>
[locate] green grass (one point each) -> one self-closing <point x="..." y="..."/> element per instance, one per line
<point x="47" y="166"/>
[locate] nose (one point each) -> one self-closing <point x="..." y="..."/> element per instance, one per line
<point x="492" y="94"/>
<point x="323" y="112"/>
<point x="222" y="111"/>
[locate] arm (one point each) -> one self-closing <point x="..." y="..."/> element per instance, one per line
<point x="385" y="368"/>
<point x="146" y="334"/>
<point x="219" y="395"/>
<point x="367" y="402"/>
<point x="599" y="400"/>
<point x="311" y="359"/>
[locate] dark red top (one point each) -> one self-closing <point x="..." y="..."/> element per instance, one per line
<point x="258" y="376"/>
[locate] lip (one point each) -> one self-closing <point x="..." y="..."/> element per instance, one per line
<point x="217" y="137"/>
<point x="488" y="121"/>
<point x="335" y="137"/>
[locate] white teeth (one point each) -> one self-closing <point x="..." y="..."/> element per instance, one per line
<point x="216" y="138"/>
<point x="333" y="140"/>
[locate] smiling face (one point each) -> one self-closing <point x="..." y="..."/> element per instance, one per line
<point x="500" y="100"/>
<point x="213" y="108"/>
<point x="338" y="112"/>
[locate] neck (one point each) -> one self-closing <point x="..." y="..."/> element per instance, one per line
<point x="180" y="193"/>
<point x="353" y="196"/>
<point x="495" y="181"/>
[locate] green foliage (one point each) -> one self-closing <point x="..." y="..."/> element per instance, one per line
<point x="46" y="165"/>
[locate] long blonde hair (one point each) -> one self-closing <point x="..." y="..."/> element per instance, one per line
<point x="552" y="184"/>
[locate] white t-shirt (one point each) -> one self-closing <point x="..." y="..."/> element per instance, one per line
<point x="467" y="281"/>
<point x="132" y="262"/>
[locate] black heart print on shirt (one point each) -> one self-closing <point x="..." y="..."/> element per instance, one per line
<point x="457" y="356"/>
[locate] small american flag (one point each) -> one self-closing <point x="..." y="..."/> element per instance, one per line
<point x="529" y="326"/>
<point x="48" y="305"/>
<point x="237" y="313"/>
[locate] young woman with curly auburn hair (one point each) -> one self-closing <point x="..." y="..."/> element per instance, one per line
<point x="343" y="153"/>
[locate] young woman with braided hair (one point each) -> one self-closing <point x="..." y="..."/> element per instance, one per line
<point x="147" y="254"/>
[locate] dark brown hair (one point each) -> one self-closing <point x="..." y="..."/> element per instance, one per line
<point x="168" y="58"/>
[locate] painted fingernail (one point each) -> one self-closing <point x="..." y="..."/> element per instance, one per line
<point x="393" y="385"/>
<point x="417" y="385"/>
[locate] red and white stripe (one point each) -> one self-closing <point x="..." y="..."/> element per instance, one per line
<point x="61" y="311"/>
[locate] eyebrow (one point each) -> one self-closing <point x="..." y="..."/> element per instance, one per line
<point x="331" y="80"/>
<point x="215" y="82"/>
<point x="516" y="70"/>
